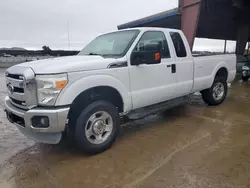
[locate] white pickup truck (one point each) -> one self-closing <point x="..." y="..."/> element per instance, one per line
<point x="122" y="75"/>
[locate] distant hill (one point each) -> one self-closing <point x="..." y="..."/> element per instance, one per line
<point x="13" y="49"/>
<point x="23" y="52"/>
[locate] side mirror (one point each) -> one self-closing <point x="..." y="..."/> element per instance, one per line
<point x="150" y="54"/>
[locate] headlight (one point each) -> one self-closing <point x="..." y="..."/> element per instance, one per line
<point x="245" y="68"/>
<point x="49" y="87"/>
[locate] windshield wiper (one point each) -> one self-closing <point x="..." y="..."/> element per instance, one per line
<point x="94" y="54"/>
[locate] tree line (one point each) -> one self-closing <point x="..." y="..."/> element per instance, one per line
<point x="45" y="51"/>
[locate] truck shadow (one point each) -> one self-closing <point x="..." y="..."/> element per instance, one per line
<point x="152" y="121"/>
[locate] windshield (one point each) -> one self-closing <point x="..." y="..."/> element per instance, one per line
<point x="111" y="44"/>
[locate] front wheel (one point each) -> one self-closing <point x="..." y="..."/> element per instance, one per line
<point x="217" y="93"/>
<point x="97" y="127"/>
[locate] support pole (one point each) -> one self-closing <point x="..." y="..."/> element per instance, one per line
<point x="190" y="14"/>
<point x="242" y="40"/>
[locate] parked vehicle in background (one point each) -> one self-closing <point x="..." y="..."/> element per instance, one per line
<point x="245" y="70"/>
<point x="120" y="76"/>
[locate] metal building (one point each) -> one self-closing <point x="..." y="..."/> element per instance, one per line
<point x="214" y="19"/>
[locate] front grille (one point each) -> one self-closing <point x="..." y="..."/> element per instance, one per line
<point x="18" y="90"/>
<point x="17" y="101"/>
<point x="21" y="87"/>
<point x="14" y="76"/>
<point x="15" y="86"/>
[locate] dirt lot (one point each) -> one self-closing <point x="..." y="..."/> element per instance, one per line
<point x="192" y="146"/>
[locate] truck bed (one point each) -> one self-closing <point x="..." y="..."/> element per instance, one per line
<point x="204" y="67"/>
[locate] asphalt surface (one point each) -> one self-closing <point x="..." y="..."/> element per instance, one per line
<point x="187" y="147"/>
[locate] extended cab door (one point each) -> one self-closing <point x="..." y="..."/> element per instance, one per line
<point x="152" y="83"/>
<point x="184" y="64"/>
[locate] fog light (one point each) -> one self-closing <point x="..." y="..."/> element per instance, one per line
<point x="40" y="122"/>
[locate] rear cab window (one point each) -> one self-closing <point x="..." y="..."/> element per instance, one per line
<point x="179" y="46"/>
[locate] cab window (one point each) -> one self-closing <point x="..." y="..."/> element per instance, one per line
<point x="178" y="44"/>
<point x="154" y="37"/>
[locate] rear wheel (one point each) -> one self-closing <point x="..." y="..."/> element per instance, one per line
<point x="217" y="93"/>
<point x="97" y="127"/>
<point x="244" y="78"/>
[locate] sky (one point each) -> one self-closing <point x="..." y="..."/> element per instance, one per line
<point x="32" y="24"/>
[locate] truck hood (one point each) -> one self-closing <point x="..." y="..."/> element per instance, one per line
<point x="69" y="64"/>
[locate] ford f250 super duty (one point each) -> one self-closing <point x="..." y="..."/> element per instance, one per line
<point x="122" y="75"/>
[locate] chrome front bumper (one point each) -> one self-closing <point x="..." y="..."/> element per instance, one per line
<point x="52" y="134"/>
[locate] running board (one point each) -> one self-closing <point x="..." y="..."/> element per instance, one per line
<point x="154" y="109"/>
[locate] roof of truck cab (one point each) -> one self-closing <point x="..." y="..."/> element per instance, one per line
<point x="143" y="29"/>
<point x="149" y="28"/>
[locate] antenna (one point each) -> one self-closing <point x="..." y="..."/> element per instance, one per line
<point x="68" y="36"/>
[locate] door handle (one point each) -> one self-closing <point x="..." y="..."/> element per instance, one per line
<point x="173" y="68"/>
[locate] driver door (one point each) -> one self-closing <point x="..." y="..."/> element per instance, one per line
<point x="152" y="83"/>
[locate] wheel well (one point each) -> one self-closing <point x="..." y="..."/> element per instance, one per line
<point x="91" y="95"/>
<point x="222" y="72"/>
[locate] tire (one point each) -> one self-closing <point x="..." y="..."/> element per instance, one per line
<point x="85" y="125"/>
<point x="245" y="78"/>
<point x="209" y="95"/>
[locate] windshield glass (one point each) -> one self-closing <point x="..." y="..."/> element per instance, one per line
<point x="111" y="44"/>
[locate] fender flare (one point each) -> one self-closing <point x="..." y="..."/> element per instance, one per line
<point x="220" y="65"/>
<point x="72" y="90"/>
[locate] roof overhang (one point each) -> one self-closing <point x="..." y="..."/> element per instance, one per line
<point x="170" y="18"/>
<point x="218" y="19"/>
